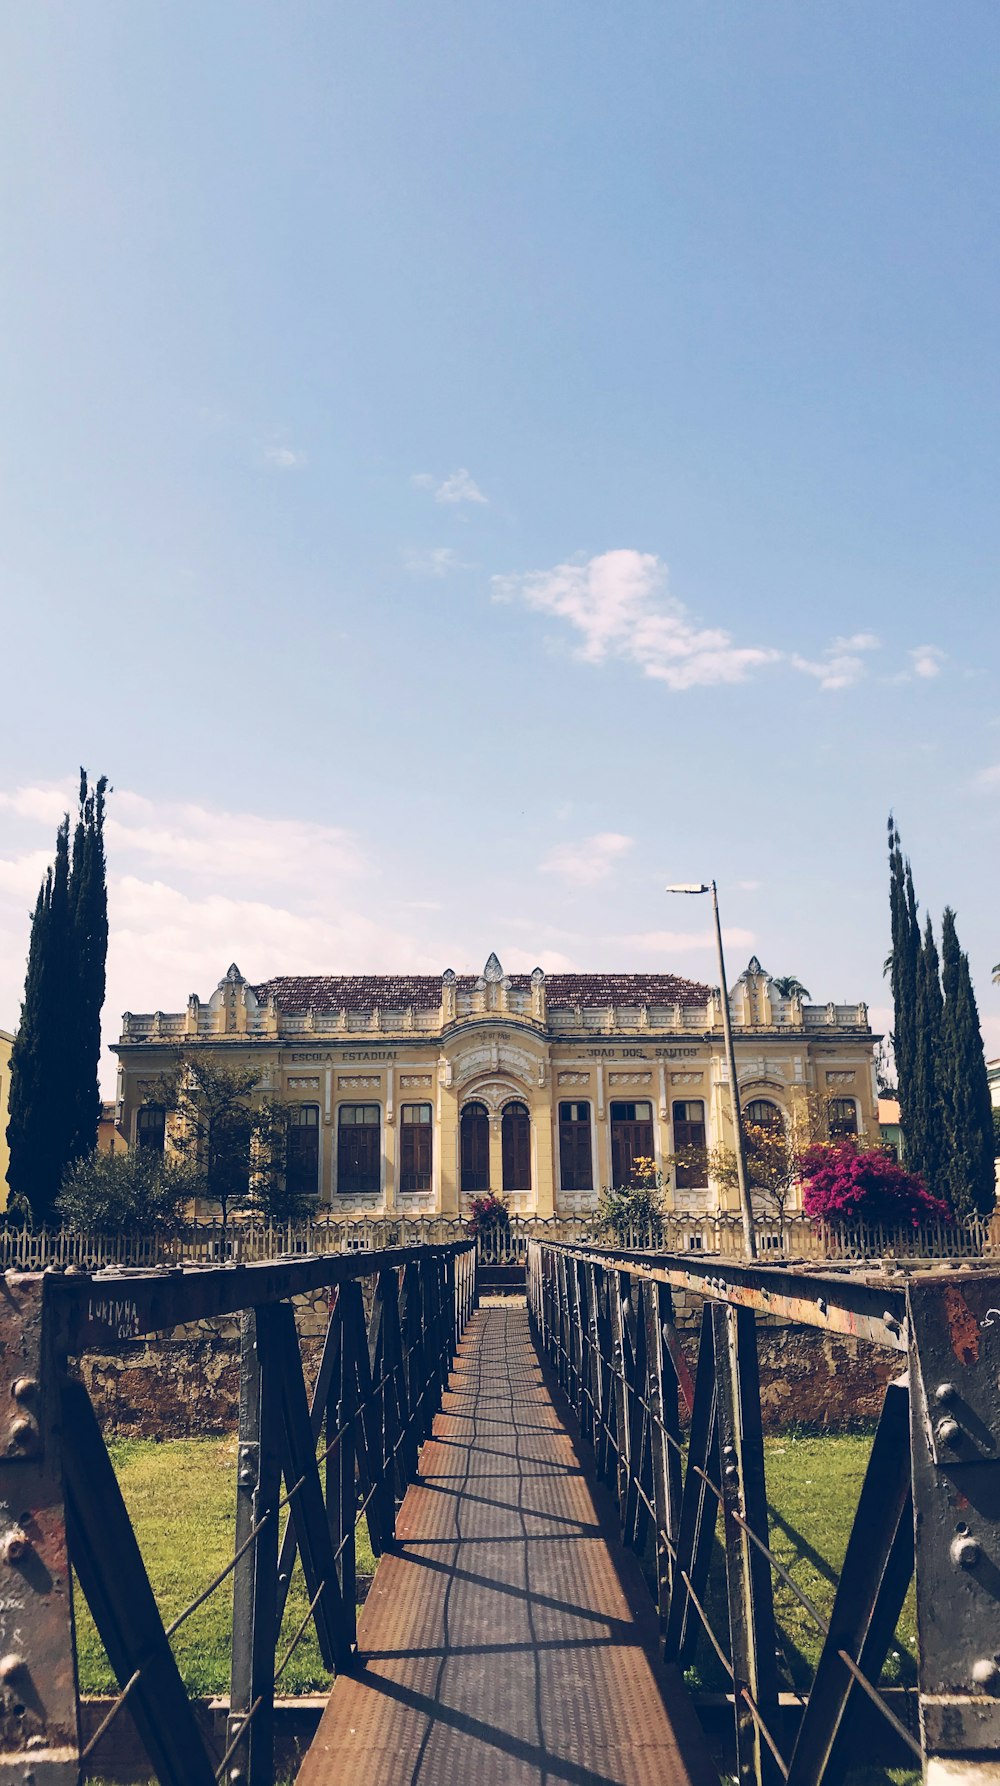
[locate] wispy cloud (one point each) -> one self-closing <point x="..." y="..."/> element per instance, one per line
<point x="927" y="661"/>
<point x="284" y="458"/>
<point x="988" y="780"/>
<point x="592" y="859"/>
<point x="432" y="561"/>
<point x="458" y="486"/>
<point x="842" y="664"/>
<point x="619" y="607"/>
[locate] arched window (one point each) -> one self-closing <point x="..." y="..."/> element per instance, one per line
<point x="691" y="1173"/>
<point x="475" y="1142"/>
<point x="415" y="1147"/>
<point x="302" y="1150"/>
<point x="515" y="1136"/>
<point x="151" y="1126"/>
<point x="359" y="1147"/>
<point x="842" y="1118"/>
<point x="576" y="1161"/>
<point x="631" y="1138"/>
<point x="764" y="1115"/>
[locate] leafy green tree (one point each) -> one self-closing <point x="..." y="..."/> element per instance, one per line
<point x="996" y="1132"/>
<point x="787" y="986"/>
<point x="233" y="1142"/>
<point x="632" y="1213"/>
<point x="969" y="1179"/>
<point x="138" y="1192"/>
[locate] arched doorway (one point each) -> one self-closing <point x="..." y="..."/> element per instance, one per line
<point x="474" y="1131"/>
<point x="515" y="1136"/>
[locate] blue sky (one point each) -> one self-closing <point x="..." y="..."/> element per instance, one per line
<point x="463" y="466"/>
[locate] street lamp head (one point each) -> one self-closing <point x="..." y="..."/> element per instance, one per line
<point x="688" y="887"/>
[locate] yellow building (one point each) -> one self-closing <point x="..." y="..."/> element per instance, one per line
<point x="6" y="1044"/>
<point x="412" y="1093"/>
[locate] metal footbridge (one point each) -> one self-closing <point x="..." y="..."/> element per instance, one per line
<point x="570" y="1515"/>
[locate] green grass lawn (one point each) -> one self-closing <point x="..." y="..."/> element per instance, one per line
<point x="181" y="1495"/>
<point x="813" y="1484"/>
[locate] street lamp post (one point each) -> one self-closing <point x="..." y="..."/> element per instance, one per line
<point x="746" y="1210"/>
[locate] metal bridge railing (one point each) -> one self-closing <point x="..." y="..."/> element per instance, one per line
<point x="345" y="1453"/>
<point x="930" y="1502"/>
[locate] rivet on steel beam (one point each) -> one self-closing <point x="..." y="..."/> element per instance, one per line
<point x="965" y="1552"/>
<point x="23" y="1432"/>
<point x="10" y="1665"/>
<point x="945" y="1392"/>
<point x="948" y="1432"/>
<point x="24" y="1388"/>
<point x="729" y="1450"/>
<point x="821" y="1304"/>
<point x="730" y="1472"/>
<point x="890" y="1321"/>
<point x="15" y="1546"/>
<point x="985" y="1674"/>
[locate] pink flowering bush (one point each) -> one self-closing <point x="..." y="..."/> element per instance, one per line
<point x="844" y="1185"/>
<point x="487" y="1214"/>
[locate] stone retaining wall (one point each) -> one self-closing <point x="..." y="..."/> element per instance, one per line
<point x="185" y="1383"/>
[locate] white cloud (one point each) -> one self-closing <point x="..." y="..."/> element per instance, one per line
<point x="590" y="860"/>
<point x="843" y="662"/>
<point x="989" y="779"/>
<point x="285" y="458"/>
<point x="191" y="888"/>
<point x="432" y="561"/>
<point x="458" y="486"/>
<point x="619" y="606"/>
<point x="927" y="661"/>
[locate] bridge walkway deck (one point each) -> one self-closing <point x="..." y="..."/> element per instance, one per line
<point x="509" y="1640"/>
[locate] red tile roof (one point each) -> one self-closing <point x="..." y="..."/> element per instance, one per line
<point x="382" y="992"/>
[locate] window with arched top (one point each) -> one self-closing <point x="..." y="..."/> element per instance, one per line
<point x="151" y="1126"/>
<point x="842" y="1118"/>
<point x="474" y="1134"/>
<point x="764" y="1115"/>
<point x="515" y="1137"/>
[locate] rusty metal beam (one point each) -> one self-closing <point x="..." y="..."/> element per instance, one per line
<point x="866" y="1307"/>
<point x="106" y="1307"/>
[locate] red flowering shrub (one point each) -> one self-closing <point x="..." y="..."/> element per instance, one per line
<point x="844" y="1185"/>
<point x="487" y="1213"/>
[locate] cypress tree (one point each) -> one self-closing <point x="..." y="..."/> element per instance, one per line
<point x="904" y="964"/>
<point x="89" y="910"/>
<point x="54" y="1095"/>
<point x="41" y="1109"/>
<point x="927" y="1151"/>
<point x="969" y="1181"/>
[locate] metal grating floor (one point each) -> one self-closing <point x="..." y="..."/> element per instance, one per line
<point x="509" y="1640"/>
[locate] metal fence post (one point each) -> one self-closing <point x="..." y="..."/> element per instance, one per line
<point x="955" y="1452"/>
<point x="36" y="1629"/>
<point x="748" y="1574"/>
<point x="255" y="1579"/>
